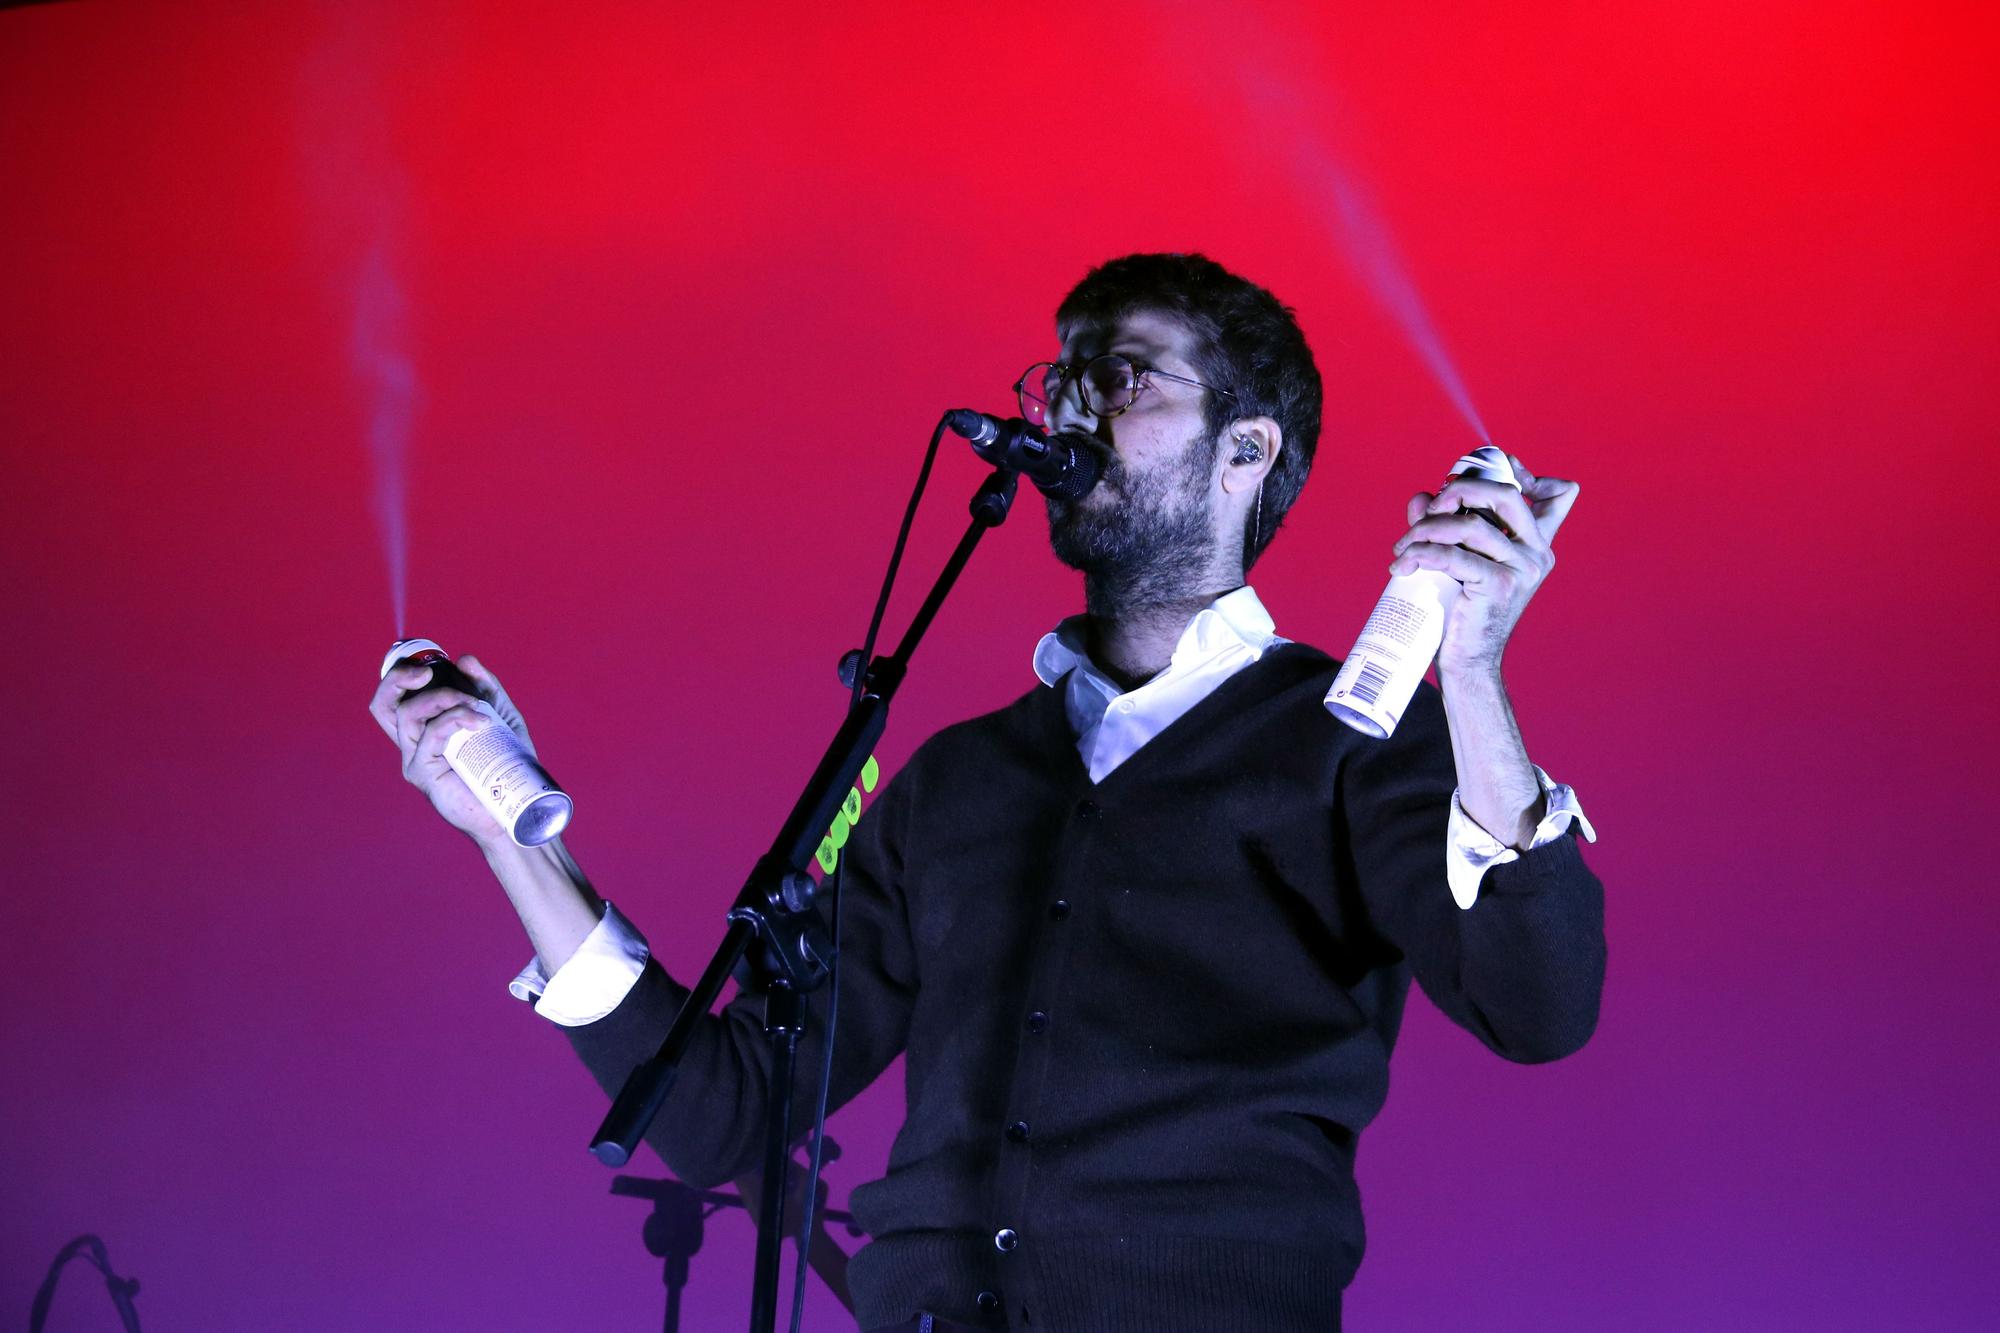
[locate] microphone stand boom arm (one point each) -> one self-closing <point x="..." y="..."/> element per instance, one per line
<point x="774" y="909"/>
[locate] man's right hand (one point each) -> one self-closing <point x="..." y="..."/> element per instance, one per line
<point x="420" y="720"/>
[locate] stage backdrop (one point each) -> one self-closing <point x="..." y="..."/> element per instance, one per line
<point x="628" y="321"/>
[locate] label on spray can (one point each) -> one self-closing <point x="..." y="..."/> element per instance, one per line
<point x="515" y="789"/>
<point x="1403" y="633"/>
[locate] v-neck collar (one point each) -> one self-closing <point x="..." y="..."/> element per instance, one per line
<point x="1062" y="740"/>
<point x="1234" y="620"/>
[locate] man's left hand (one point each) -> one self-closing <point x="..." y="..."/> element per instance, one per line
<point x="1497" y="569"/>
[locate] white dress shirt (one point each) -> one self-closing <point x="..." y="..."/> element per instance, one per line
<point x="1111" y="726"/>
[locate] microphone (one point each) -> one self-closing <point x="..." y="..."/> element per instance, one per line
<point x="1059" y="468"/>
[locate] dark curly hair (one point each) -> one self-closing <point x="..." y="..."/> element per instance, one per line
<point x="1245" y="341"/>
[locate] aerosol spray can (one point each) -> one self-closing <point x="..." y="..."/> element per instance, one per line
<point x="491" y="759"/>
<point x="1401" y="637"/>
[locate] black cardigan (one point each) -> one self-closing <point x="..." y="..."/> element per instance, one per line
<point x="1145" y="1020"/>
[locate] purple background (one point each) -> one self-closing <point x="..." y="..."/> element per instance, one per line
<point x="681" y="293"/>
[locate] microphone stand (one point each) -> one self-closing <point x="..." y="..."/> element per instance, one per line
<point x="674" y="1230"/>
<point x="774" y="910"/>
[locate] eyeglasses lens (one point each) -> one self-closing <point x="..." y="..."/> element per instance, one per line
<point x="1037" y="388"/>
<point x="1109" y="384"/>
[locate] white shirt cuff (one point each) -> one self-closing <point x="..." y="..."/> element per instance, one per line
<point x="1470" y="850"/>
<point x="594" y="981"/>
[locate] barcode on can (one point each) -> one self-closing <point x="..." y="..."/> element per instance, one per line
<point x="1367" y="686"/>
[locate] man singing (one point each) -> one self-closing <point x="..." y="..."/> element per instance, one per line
<point x="1144" y="935"/>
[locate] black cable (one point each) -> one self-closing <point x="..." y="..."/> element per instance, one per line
<point x="122" y="1289"/>
<point x="860" y="681"/>
<point x="831" y="885"/>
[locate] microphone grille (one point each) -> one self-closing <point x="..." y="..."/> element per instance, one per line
<point x="1081" y="473"/>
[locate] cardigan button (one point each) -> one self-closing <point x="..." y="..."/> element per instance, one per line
<point x="988" y="1300"/>
<point x="1038" y="1022"/>
<point x="1089" y="811"/>
<point x="1018" y="1132"/>
<point x="1059" y="910"/>
<point x="1004" y="1240"/>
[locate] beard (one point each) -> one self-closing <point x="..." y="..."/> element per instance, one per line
<point x="1143" y="532"/>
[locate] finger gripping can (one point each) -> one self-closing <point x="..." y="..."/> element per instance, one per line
<point x="517" y="791"/>
<point x="1403" y="633"/>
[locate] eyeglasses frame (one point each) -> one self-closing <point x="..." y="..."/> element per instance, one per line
<point x="1140" y="372"/>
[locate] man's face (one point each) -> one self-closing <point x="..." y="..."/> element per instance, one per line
<point x="1154" y="505"/>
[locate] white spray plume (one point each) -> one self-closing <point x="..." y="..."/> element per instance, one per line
<point x="356" y="185"/>
<point x="1285" y="112"/>
<point x="389" y="380"/>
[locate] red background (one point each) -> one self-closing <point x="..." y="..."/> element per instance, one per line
<point x="684" y="292"/>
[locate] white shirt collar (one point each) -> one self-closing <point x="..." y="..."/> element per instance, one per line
<point x="1233" y="621"/>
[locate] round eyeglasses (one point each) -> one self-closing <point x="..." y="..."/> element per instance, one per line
<point x="1108" y="385"/>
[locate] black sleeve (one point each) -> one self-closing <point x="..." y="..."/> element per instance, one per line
<point x="711" y="1127"/>
<point x="1522" y="969"/>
